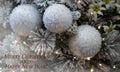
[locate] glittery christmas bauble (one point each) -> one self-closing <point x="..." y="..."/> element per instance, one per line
<point x="86" y="43"/>
<point x="76" y="15"/>
<point x="23" y="19"/>
<point x="57" y="18"/>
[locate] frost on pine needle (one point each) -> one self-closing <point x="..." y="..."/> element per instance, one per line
<point x="13" y="46"/>
<point x="22" y="1"/>
<point x="39" y="2"/>
<point x="71" y="3"/>
<point x="112" y="36"/>
<point x="6" y="43"/>
<point x="13" y="43"/>
<point x="43" y="42"/>
<point x="43" y="4"/>
<point x="117" y="4"/>
<point x="111" y="51"/>
<point x="2" y="50"/>
<point x="63" y="65"/>
<point x="16" y="46"/>
<point x="5" y="8"/>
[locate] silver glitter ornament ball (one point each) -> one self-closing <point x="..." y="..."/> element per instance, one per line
<point x="87" y="42"/>
<point x="76" y="15"/>
<point x="57" y="18"/>
<point x="23" y="19"/>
